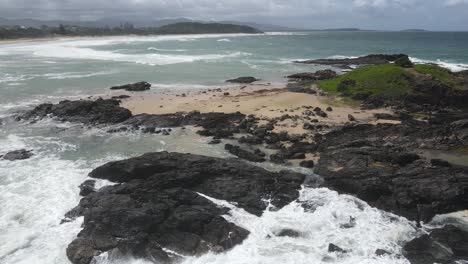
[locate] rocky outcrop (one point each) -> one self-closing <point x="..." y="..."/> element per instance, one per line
<point x="314" y="76"/>
<point x="256" y="156"/>
<point x="133" y="87"/>
<point x="373" y="59"/>
<point x="83" y="111"/>
<point x="300" y="87"/>
<point x="445" y="245"/>
<point x="244" y="80"/>
<point x="382" y="170"/>
<point x="21" y="154"/>
<point x="158" y="205"/>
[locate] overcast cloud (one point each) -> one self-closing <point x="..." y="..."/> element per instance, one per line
<point x="367" y="14"/>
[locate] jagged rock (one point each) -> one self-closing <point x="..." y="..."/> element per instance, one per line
<point x="134" y="87"/>
<point x="87" y="187"/>
<point x="243" y="80"/>
<point x="314" y="76"/>
<point x="157" y="204"/>
<point x="335" y="248"/>
<point x="245" y="154"/>
<point x="445" y="245"/>
<point x="82" y="111"/>
<point x="365" y="60"/>
<point x="21" y="154"/>
<point x="388" y="177"/>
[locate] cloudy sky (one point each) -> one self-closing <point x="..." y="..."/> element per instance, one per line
<point x="367" y="14"/>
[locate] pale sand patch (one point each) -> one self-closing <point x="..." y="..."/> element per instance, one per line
<point x="263" y="101"/>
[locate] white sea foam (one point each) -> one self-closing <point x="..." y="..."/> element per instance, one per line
<point x="455" y="67"/>
<point x="169" y="50"/>
<point x="224" y="40"/>
<point x="374" y="230"/>
<point x="74" y="75"/>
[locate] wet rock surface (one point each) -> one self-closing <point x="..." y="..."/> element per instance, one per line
<point x="244" y="80"/>
<point x="83" y="111"/>
<point x="133" y="87"/>
<point x="365" y="60"/>
<point x="445" y="245"/>
<point x="314" y="76"/>
<point x="157" y="204"/>
<point x="21" y="154"/>
<point x="382" y="169"/>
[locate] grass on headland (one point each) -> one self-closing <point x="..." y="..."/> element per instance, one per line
<point x="443" y="74"/>
<point x="386" y="79"/>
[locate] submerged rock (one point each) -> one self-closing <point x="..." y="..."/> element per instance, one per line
<point x="134" y="87"/>
<point x="21" y="154"/>
<point x="245" y="80"/>
<point x="158" y="204"/>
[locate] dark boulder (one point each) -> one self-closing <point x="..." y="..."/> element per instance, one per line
<point x="445" y="246"/>
<point x="256" y="156"/>
<point x="314" y="76"/>
<point x="334" y="248"/>
<point x="158" y="205"/>
<point x="134" y="87"/>
<point x="244" y="80"/>
<point x="21" y="154"/>
<point x="83" y="111"/>
<point x="288" y="233"/>
<point x="307" y="164"/>
<point x="87" y="187"/>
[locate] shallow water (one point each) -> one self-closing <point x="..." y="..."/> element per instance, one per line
<point x="36" y="193"/>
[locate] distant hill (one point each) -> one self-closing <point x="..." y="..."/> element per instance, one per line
<point x="15" y="32"/>
<point x="205" y="28"/>
<point x="413" y="30"/>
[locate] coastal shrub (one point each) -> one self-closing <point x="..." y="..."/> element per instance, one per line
<point x="404" y="62"/>
<point x="387" y="79"/>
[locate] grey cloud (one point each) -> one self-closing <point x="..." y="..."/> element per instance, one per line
<point x="378" y="14"/>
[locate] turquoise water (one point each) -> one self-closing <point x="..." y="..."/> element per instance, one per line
<point x="36" y="193"/>
<point x="43" y="70"/>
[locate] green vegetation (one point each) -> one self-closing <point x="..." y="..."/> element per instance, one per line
<point x="404" y="62"/>
<point x="386" y="79"/>
<point x="443" y="74"/>
<point x="124" y="29"/>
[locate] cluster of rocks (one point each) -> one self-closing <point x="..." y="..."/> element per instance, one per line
<point x="373" y="59"/>
<point x="158" y="207"/>
<point x="314" y="76"/>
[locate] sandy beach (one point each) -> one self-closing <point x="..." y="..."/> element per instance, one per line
<point x="261" y="100"/>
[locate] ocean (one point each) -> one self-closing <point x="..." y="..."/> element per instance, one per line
<point x="36" y="193"/>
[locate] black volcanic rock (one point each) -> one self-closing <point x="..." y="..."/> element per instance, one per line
<point x="245" y="80"/>
<point x="445" y="245"/>
<point x="314" y="76"/>
<point x="373" y="59"/>
<point x="21" y="154"/>
<point x="257" y="156"/>
<point x="157" y="204"/>
<point x="88" y="112"/>
<point x="381" y="170"/>
<point x="133" y="87"/>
